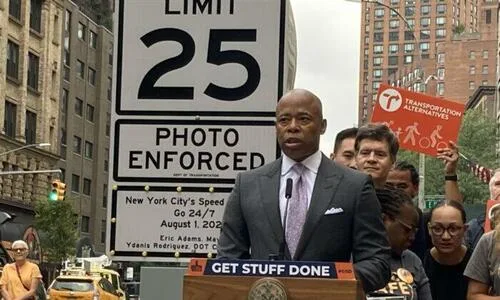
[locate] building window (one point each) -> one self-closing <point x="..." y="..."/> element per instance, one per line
<point x="394" y="13"/>
<point x="110" y="53"/>
<point x="393" y="48"/>
<point x="472" y="85"/>
<point x="89" y="150"/>
<point x="33" y="67"/>
<point x="12" y="59"/>
<point x="79" y="107"/>
<point x="108" y="123"/>
<point x="472" y="54"/>
<point x="375" y="85"/>
<point x="484" y="82"/>
<point x="92" y="76"/>
<point x="394" y="24"/>
<point x="425" y="9"/>
<point x="105" y="196"/>
<point x="440" y="21"/>
<point x="377" y="73"/>
<point x="409" y="47"/>
<point x="30" y="127"/>
<point x="80" y="69"/>
<point x="409" y="36"/>
<point x="440" y="88"/>
<point x="425" y="34"/>
<point x="75" y="183"/>
<point x="485" y="70"/>
<point x="409" y="11"/>
<point x="441" y="8"/>
<point x="63" y="136"/>
<point x="110" y="87"/>
<point x="378" y="25"/>
<point x="81" y="31"/>
<point x="15" y="9"/>
<point x="488" y="16"/>
<point x="485" y="54"/>
<point x="393" y="60"/>
<point x="377" y="61"/>
<point x="440" y="73"/>
<point x="87" y="186"/>
<point x="379" y="12"/>
<point x="92" y="39"/>
<point x="393" y="35"/>
<point x="440" y="58"/>
<point x="10" y="119"/>
<point x="472" y="70"/>
<point x="64" y="101"/>
<point x="103" y="231"/>
<point x="85" y="224"/>
<point x="378" y="49"/>
<point x="77" y="144"/>
<point x="36" y="15"/>
<point x="425" y="22"/>
<point x="106" y="157"/>
<point x="90" y="113"/>
<point x="67" y="21"/>
<point x="408" y="59"/>
<point x="424" y="47"/>
<point x="63" y="174"/>
<point x="378" y="36"/>
<point x="440" y="33"/>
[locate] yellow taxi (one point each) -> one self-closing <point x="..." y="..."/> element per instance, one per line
<point x="82" y="287"/>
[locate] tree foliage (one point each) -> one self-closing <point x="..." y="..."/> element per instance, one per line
<point x="56" y="221"/>
<point x="477" y="141"/>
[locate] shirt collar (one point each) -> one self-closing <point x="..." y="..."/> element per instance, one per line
<point x="312" y="163"/>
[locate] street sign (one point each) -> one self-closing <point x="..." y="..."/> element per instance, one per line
<point x="187" y="57"/>
<point x="191" y="151"/>
<point x="433" y="200"/>
<point x="165" y="222"/>
<point x="195" y="90"/>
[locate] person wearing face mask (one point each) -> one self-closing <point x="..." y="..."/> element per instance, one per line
<point x="401" y="219"/>
<point x="21" y="278"/>
<point x="445" y="263"/>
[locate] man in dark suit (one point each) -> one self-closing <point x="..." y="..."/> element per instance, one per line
<point x="333" y="214"/>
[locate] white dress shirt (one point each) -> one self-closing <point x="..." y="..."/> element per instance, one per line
<point x="311" y="165"/>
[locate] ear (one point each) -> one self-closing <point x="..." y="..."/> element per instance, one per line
<point x="332" y="156"/>
<point x="323" y="126"/>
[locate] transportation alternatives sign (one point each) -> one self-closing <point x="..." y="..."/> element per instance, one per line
<point x="196" y="86"/>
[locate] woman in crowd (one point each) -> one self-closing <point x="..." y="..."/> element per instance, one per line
<point x="483" y="269"/>
<point x="445" y="263"/>
<point x="401" y="220"/>
<point x="21" y="278"/>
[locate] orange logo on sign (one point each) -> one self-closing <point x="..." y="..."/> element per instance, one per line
<point x="197" y="266"/>
<point x="421" y="122"/>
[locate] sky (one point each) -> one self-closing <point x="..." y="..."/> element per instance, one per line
<point x="328" y="34"/>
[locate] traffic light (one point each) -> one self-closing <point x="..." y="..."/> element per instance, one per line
<point x="58" y="191"/>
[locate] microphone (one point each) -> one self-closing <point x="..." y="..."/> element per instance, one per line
<point x="288" y="195"/>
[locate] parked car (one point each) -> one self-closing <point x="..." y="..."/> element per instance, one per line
<point x="84" y="287"/>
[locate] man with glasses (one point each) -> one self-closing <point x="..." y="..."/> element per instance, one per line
<point x="21" y="278"/>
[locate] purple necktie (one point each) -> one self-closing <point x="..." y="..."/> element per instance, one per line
<point x="297" y="210"/>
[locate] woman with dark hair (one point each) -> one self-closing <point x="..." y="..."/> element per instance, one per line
<point x="400" y="218"/>
<point x="446" y="261"/>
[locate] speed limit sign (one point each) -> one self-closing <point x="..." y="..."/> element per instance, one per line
<point x="203" y="57"/>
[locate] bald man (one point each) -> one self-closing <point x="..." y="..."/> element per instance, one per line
<point x="333" y="212"/>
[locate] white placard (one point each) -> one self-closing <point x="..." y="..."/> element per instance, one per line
<point x="191" y="151"/>
<point x="163" y="222"/>
<point x="189" y="56"/>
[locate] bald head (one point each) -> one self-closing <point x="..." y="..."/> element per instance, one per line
<point x="299" y="124"/>
<point x="306" y="96"/>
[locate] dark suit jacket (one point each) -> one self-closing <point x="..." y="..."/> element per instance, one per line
<point x="252" y="226"/>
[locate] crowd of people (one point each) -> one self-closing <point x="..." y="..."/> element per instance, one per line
<point x="359" y="205"/>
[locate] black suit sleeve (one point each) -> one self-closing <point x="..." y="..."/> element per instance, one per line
<point x="234" y="241"/>
<point x="371" y="250"/>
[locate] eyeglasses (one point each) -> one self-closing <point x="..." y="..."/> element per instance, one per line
<point x="439" y="230"/>
<point x="408" y="228"/>
<point x="19" y="250"/>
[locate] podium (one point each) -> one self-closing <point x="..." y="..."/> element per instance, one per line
<point x="237" y="281"/>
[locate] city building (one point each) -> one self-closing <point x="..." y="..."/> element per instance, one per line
<point x="85" y="120"/>
<point x="30" y="67"/>
<point x="443" y="47"/>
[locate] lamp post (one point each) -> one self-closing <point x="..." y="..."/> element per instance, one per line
<point x="24" y="147"/>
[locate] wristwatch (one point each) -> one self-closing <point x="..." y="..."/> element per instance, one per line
<point x="451" y="177"/>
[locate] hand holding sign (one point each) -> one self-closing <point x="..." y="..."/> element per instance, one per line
<point x="422" y="123"/>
